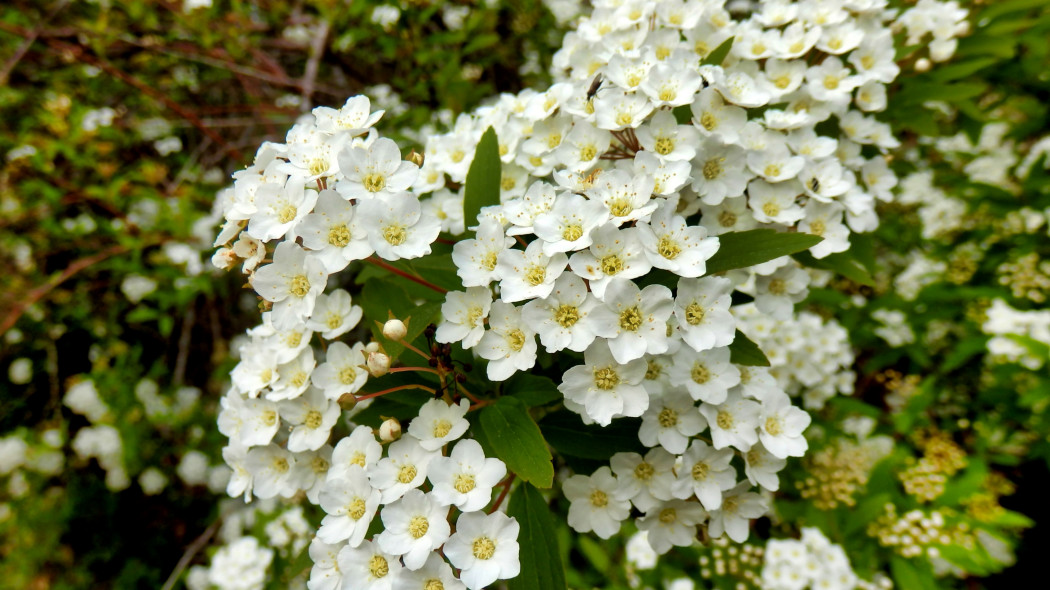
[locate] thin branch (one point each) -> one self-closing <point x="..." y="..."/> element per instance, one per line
<point x="192" y="550"/>
<point x="23" y="49"/>
<point x="401" y="273"/>
<point x="309" y="79"/>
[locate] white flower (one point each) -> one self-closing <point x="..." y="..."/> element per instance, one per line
<point x="414" y="526"/>
<point x="704" y="473"/>
<point x="485" y="548"/>
<point x="672" y="244"/>
<point x="463" y="315"/>
<point x="702" y="309"/>
<point x="528" y="274"/>
<point x="568" y="225"/>
<point x="359" y="449"/>
<point x="668" y="140"/>
<point x="271" y="470"/>
<point x="774" y="203"/>
<point x="564" y="319"/>
<point x="312" y="417"/>
<point x="251" y="422"/>
<point x="738" y="507"/>
<point x="597" y="503"/>
<point x="475" y="259"/>
<point x="466" y="477"/>
<point x="641" y="315"/>
<point x="733" y="422"/>
<point x="292" y="283"/>
<point x="712" y="116"/>
<point x="396" y="227"/>
<point x="670" y="421"/>
<point x="280" y="208"/>
<point x="366" y="567"/>
<point x="435" y="574"/>
<point x="781" y="425"/>
<point x="707" y="375"/>
<point x="645" y="480"/>
<point x="293" y="377"/>
<point x="761" y="467"/>
<point x="342" y="371"/>
<point x="510" y="345"/>
<point x="523" y="212"/>
<point x="615" y="253"/>
<point x="672" y="523"/>
<point x="325" y="574"/>
<point x="350" y="503"/>
<point x="626" y="197"/>
<point x="353" y="118"/>
<point x="720" y="171"/>
<point x="602" y="388"/>
<point x="333" y="231"/>
<point x="404" y="468"/>
<point x="439" y="423"/>
<point x="376" y="171"/>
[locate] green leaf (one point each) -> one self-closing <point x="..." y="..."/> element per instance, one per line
<point x="570" y="436"/>
<point x="743" y="351"/>
<point x="541" y="565"/>
<point x="532" y="390"/>
<point x="962" y="70"/>
<point x="716" y="57"/>
<point x="842" y="263"/>
<point x="381" y="297"/>
<point x="517" y="441"/>
<point x="907" y="575"/>
<point x="482" y="187"/>
<point x="740" y="249"/>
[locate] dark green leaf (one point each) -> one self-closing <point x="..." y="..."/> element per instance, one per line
<point x="842" y="263"/>
<point x="541" y="565"/>
<point x="743" y="351"/>
<point x="483" y="178"/>
<point x="962" y="70"/>
<point x="514" y="437"/>
<point x="716" y="57"/>
<point x="532" y="390"/>
<point x="570" y="436"/>
<point x="907" y="575"/>
<point x="740" y="249"/>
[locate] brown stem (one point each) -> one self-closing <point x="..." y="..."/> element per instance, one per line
<point x="393" y="389"/>
<point x="381" y="264"/>
<point x="503" y="494"/>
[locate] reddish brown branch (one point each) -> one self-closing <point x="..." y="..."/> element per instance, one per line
<point x="401" y="273"/>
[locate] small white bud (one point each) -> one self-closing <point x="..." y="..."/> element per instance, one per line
<point x="922" y="65"/>
<point x="372" y="347"/>
<point x="395" y="330"/>
<point x="390" y="430"/>
<point x="223" y="259"/>
<point x="378" y="364"/>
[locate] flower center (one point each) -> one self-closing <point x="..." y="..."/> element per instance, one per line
<point x="694" y="313"/>
<point x="567" y="315"/>
<point x="611" y="264"/>
<point x="348" y="375"/>
<point x="280" y="465"/>
<point x="433" y="584"/>
<point x="773" y="426"/>
<point x="668" y="248"/>
<point x="817" y="228"/>
<point x="299" y="378"/>
<point x="667" y="418"/>
<point x="599" y="499"/>
<point x="516" y="340"/>
<point x="724" y="420"/>
<point x="700" y="471"/>
<point x="269" y="417"/>
<point x="653" y="370"/>
<point x="339" y="235"/>
<point x="313" y="419"/>
<point x="358" y="459"/>
<point x="777" y="287"/>
<point x="356" y="509"/>
<point x="782" y="82"/>
<point x="553" y="140"/>
<point x="374" y="182"/>
<point x="484" y="548"/>
<point x="395" y="234"/>
<point x="464" y="483"/>
<point x="644" y="471"/>
<point x="406" y="474"/>
<point x="606" y="378"/>
<point x="418" y="526"/>
<point x="318" y="166"/>
<point x="287" y="214"/>
<point x="700" y="374"/>
<point x="713" y="168"/>
<point x="772" y="170"/>
<point x="300" y="286"/>
<point x="631" y="319"/>
<point x="620" y="207"/>
<point x="708" y="121"/>
<point x="319" y="465"/>
<point x="334" y="320"/>
<point x="535" y="274"/>
<point x="587" y="153"/>
<point x="624" y="119"/>
<point x="474" y="315"/>
<point x="727" y="218"/>
<point x="489" y="261"/>
<point x="771" y="209"/>
<point x="441" y="428"/>
<point x="571" y="233"/>
<point x="668" y="515"/>
<point x="664" y="145"/>
<point x="667" y="94"/>
<point x="831" y="82"/>
<point x="457" y="156"/>
<point x="378" y="566"/>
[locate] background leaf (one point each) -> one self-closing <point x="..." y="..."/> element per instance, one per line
<point x="512" y="435"/>
<point x="482" y="187"/>
<point x="740" y="249"/>
<point x="541" y="565"/>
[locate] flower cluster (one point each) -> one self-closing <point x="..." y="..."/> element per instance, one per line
<point x="810" y="562"/>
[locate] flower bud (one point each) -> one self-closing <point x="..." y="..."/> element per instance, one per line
<point x="378" y="364"/>
<point x="224" y="259"/>
<point x="395" y="330"/>
<point x="922" y="65"/>
<point x="416" y="158"/>
<point x="347" y="401"/>
<point x="372" y="347"/>
<point x="390" y="430"/>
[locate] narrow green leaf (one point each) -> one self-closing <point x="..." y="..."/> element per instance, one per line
<point x="517" y="441"/>
<point x="716" y="57"/>
<point x="740" y="249"/>
<point x="962" y="70"/>
<point x="482" y="187"/>
<point x="541" y="565"/>
<point x="743" y="351"/>
<point x="842" y="263"/>
<point x="571" y="437"/>
<point x="532" y="390"/>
